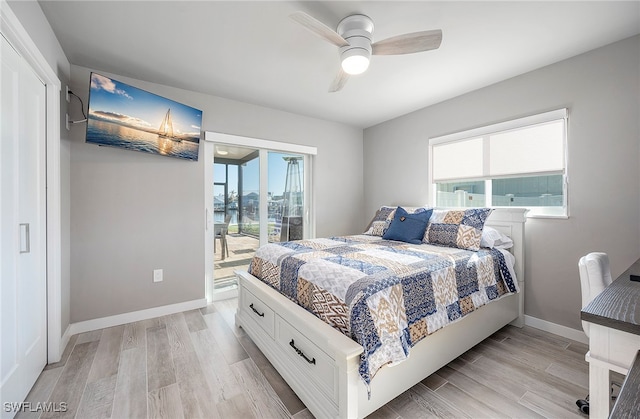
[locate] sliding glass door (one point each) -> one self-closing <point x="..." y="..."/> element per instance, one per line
<point x="261" y="193"/>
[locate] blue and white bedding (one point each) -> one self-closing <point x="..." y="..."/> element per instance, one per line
<point x="386" y="295"/>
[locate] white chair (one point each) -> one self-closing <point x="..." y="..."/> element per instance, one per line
<point x="595" y="275"/>
<point x="220" y="233"/>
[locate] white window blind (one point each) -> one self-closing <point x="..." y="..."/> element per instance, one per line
<point x="531" y="145"/>
<point x="515" y="163"/>
<point x="534" y="149"/>
<point x="458" y="159"/>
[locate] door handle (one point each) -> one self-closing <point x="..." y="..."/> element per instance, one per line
<point x="25" y="240"/>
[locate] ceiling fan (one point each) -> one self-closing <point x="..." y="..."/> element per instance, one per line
<point x="354" y="36"/>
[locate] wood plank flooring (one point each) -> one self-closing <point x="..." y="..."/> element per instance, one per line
<point x="198" y="364"/>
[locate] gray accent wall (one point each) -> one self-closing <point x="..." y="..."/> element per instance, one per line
<point x="601" y="89"/>
<point x="134" y="212"/>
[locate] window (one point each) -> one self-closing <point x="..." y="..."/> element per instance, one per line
<point x="519" y="163"/>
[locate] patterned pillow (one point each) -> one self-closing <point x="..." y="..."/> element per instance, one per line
<point x="457" y="228"/>
<point x="379" y="223"/>
<point x="383" y="218"/>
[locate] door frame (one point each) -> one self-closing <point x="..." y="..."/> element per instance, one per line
<point x="16" y="34"/>
<point x="210" y="139"/>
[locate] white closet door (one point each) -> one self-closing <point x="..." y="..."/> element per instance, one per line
<point x="23" y="305"/>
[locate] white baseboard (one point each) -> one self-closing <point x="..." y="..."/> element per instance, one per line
<point x="134" y="316"/>
<point x="64" y="340"/>
<point x="556" y="329"/>
<point x="54" y="356"/>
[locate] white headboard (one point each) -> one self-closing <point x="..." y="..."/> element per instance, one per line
<point x="510" y="221"/>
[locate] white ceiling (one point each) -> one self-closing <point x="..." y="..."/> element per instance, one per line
<point x="253" y="52"/>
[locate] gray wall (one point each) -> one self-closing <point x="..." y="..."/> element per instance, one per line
<point x="113" y="200"/>
<point x="33" y="20"/>
<point x="133" y="212"/>
<point x="601" y="90"/>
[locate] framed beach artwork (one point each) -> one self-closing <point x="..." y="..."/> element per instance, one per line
<point x="121" y="115"/>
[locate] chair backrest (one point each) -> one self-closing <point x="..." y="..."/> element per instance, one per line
<point x="220" y="230"/>
<point x="595" y="275"/>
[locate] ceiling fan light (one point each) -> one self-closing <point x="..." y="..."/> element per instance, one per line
<point x="355" y="61"/>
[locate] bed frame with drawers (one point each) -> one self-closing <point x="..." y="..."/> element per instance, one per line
<point x="321" y="364"/>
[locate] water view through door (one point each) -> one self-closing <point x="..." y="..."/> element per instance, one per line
<point x="246" y="216"/>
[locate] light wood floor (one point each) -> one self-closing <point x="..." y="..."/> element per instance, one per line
<point x="198" y="364"/>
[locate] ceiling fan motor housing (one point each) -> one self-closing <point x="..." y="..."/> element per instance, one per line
<point x="357" y="30"/>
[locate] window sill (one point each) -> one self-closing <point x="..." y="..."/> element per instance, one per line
<point x="557" y="217"/>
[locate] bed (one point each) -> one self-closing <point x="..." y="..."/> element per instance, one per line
<point x="325" y="367"/>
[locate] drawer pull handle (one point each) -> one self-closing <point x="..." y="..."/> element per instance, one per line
<point x="299" y="352"/>
<point x="255" y="311"/>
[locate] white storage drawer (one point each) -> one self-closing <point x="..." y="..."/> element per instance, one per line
<point x="259" y="311"/>
<point x="307" y="357"/>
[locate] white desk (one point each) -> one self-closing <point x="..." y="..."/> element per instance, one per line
<point x="628" y="402"/>
<point x="614" y="337"/>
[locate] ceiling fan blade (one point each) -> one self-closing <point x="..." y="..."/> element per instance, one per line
<point x="338" y="83"/>
<point x="319" y="28"/>
<point x="408" y="43"/>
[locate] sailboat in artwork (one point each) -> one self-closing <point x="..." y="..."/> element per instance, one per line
<point x="166" y="127"/>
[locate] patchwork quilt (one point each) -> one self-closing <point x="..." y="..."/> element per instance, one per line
<point x="386" y="295"/>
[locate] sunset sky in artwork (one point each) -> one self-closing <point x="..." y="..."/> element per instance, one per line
<point x="118" y="102"/>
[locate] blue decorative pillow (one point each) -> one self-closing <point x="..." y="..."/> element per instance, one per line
<point x="407" y="227"/>
<point x="384" y="216"/>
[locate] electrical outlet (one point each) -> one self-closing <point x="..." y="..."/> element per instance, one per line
<point x="66" y="124"/>
<point x="157" y="275"/>
<point x="68" y="98"/>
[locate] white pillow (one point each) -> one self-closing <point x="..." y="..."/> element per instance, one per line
<point x="494" y="239"/>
